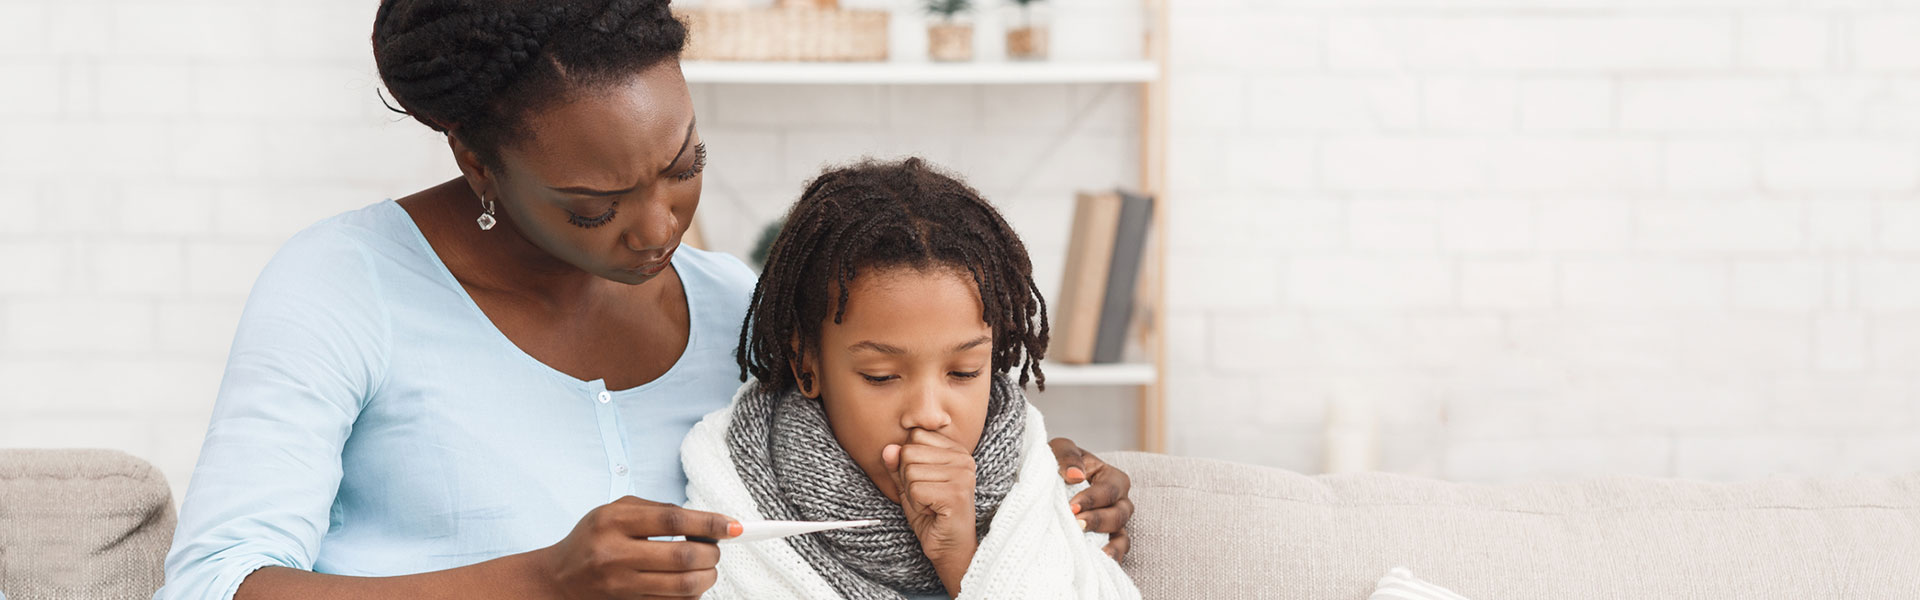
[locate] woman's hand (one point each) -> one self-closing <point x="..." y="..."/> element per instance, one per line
<point x="935" y="477"/>
<point x="608" y="554"/>
<point x="1103" y="506"/>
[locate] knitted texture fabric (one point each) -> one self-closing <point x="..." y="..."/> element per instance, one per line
<point x="74" y="523"/>
<point x="785" y="451"/>
<point x="1035" y="548"/>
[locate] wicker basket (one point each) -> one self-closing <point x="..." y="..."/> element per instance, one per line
<point x="776" y="34"/>
<point x="950" y="42"/>
<point x="1027" y="43"/>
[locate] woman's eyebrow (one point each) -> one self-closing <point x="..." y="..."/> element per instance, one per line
<point x="683" y="146"/>
<point x="587" y="191"/>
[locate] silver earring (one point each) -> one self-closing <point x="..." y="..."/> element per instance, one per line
<point x="486" y="219"/>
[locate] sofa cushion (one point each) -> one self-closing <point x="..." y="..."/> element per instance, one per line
<point x="89" y="524"/>
<point x="1400" y="584"/>
<point x="1212" y="529"/>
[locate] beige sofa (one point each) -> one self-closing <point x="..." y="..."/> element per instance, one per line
<point x="1209" y="529"/>
<point x="95" y="524"/>
<point x="81" y="524"/>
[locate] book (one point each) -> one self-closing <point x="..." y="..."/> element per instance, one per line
<point x="1083" y="286"/>
<point x="1123" y="276"/>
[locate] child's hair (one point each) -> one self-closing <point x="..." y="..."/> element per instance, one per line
<point x="878" y="215"/>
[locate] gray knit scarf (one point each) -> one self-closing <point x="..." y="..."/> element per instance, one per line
<point x="796" y="470"/>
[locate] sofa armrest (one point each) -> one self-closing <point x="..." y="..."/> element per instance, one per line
<point x="82" y="524"/>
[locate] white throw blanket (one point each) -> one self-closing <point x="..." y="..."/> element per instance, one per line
<point x="1035" y="548"/>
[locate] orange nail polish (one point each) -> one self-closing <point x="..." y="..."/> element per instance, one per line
<point x="734" y="529"/>
<point x="1075" y="506"/>
<point x="1076" y="473"/>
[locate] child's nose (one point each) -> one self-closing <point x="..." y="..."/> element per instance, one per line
<point x="926" y="407"/>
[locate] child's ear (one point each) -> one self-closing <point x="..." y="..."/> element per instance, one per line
<point x="805" y="370"/>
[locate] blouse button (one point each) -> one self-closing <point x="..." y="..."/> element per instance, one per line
<point x="620" y="469"/>
<point x="605" y="397"/>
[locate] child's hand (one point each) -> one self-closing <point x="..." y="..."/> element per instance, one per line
<point x="935" y="476"/>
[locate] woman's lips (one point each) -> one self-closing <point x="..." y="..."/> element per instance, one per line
<point x="654" y="268"/>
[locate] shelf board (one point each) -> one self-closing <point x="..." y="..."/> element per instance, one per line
<point x="1105" y="374"/>
<point x="919" y="73"/>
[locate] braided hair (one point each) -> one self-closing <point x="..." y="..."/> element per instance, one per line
<point x="879" y="215"/>
<point x="476" y="68"/>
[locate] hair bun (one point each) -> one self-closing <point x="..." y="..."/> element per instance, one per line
<point x="478" y="66"/>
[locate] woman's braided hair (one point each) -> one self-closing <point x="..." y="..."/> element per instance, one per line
<point x="880" y="215"/>
<point x="476" y="68"/>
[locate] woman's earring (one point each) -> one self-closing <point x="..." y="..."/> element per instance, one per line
<point x="486" y="219"/>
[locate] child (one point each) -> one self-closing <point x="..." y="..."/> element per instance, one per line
<point x="881" y="339"/>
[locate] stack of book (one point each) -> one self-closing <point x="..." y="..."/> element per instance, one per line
<point x="1098" y="297"/>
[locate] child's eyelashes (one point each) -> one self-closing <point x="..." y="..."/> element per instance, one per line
<point x="879" y="379"/>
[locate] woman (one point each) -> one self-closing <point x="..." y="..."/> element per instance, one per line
<point x="469" y="392"/>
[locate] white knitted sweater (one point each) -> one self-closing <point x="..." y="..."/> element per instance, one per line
<point x="1035" y="548"/>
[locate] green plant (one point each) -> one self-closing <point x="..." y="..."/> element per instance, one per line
<point x="764" y="245"/>
<point x="946" y="9"/>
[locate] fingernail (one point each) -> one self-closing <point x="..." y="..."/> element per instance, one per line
<point x="1083" y="524"/>
<point x="1076" y="473"/>
<point x="1075" y="506"/>
<point x="734" y="529"/>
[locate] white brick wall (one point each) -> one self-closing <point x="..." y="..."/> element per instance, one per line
<point x="1551" y="238"/>
<point x="1538" y="238"/>
<point x="156" y="154"/>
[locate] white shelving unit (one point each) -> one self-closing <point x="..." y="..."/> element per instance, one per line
<point x="1148" y="73"/>
<point x="920" y="73"/>
<point x="1108" y="374"/>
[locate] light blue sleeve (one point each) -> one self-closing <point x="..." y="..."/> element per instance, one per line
<point x="310" y="350"/>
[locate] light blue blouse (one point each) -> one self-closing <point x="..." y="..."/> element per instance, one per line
<point x="373" y="421"/>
